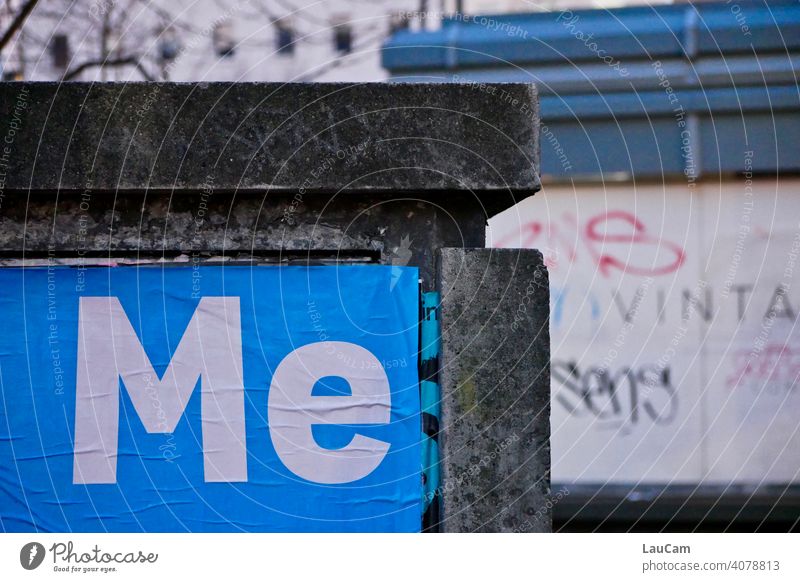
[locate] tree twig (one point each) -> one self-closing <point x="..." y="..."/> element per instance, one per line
<point x="108" y="63"/>
<point x="17" y="23"/>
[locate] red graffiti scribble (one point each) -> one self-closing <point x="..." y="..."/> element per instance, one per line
<point x="774" y="364"/>
<point x="637" y="236"/>
<point x="609" y="239"/>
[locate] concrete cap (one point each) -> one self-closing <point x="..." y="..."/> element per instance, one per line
<point x="263" y="137"/>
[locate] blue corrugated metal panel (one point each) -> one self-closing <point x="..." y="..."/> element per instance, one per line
<point x="626" y="33"/>
<point x="722" y="76"/>
<point x="419" y="51"/>
<point x="772" y="26"/>
<point x="652" y="147"/>
<point x="701" y="101"/>
<point x="640" y="76"/>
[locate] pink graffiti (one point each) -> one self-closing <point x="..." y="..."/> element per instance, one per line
<point x="775" y="363"/>
<point x="612" y="240"/>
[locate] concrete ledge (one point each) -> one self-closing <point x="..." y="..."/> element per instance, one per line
<point x="265" y="137"/>
<point x="495" y="381"/>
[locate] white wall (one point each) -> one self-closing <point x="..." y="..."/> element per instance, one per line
<point x="667" y="295"/>
<point x="138" y="25"/>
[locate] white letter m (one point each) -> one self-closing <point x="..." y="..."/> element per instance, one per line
<point x="210" y="351"/>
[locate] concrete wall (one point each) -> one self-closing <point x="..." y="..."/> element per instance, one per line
<point x="314" y="173"/>
<point x="391" y="172"/>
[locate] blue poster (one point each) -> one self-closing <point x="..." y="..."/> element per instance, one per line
<point x="209" y="399"/>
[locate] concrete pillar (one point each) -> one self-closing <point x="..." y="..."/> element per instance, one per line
<point x="495" y="379"/>
<point x="272" y="173"/>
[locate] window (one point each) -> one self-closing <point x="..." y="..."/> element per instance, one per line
<point x="284" y="38"/>
<point x="169" y="45"/>
<point x="398" y="21"/>
<point x="343" y="37"/>
<point x="224" y="45"/>
<point x="59" y="49"/>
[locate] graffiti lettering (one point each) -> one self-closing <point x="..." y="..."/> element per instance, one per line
<point x="774" y="370"/>
<point x="625" y="396"/>
<point x="615" y="240"/>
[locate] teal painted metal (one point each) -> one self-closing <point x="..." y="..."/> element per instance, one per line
<point x="624" y="92"/>
<point x="430" y="399"/>
<point x="681" y="31"/>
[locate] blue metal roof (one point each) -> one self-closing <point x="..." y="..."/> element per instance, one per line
<point x="642" y="32"/>
<point x="618" y="88"/>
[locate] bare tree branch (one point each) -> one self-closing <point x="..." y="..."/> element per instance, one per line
<point x="108" y="63"/>
<point x="17" y="23"/>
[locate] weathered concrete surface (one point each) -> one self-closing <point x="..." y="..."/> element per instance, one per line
<point x="495" y="380"/>
<point x="271" y="137"/>
<point x="387" y="171"/>
<point x="277" y="227"/>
